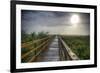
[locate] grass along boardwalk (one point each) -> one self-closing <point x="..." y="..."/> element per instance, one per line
<point x="55" y="48"/>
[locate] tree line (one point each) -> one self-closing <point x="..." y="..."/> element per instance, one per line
<point x="25" y="37"/>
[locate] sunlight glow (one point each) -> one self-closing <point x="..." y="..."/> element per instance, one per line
<point x="75" y="19"/>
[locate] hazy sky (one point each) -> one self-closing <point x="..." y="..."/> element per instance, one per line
<point x="54" y="22"/>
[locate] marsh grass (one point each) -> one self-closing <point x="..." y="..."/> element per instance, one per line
<point x="80" y="45"/>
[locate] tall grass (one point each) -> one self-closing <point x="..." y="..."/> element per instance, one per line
<point x="79" y="45"/>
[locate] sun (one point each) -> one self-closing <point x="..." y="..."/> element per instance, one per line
<point x="75" y="19"/>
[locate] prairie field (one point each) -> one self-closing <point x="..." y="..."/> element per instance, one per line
<point x="80" y="45"/>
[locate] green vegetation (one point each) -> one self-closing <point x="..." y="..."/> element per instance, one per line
<point x="80" y="45"/>
<point x="27" y="40"/>
<point x="25" y="37"/>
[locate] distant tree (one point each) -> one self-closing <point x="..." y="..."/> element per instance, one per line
<point x="33" y="35"/>
<point x="42" y="34"/>
<point x="24" y="37"/>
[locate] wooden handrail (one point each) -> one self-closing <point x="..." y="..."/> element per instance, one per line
<point x="72" y="55"/>
<point x="25" y="45"/>
<point x="24" y="55"/>
<point x="32" y="59"/>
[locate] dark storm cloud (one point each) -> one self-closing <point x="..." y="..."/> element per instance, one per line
<point x="49" y="20"/>
<point x="43" y="18"/>
<point x="85" y="18"/>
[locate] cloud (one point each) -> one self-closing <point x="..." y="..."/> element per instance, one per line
<point x="53" y="22"/>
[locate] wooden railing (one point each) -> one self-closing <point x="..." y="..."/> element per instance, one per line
<point x="65" y="52"/>
<point x="32" y="49"/>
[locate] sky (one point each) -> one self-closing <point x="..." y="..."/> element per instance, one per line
<point x="55" y="22"/>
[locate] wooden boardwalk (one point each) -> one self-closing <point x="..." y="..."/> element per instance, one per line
<point x="50" y="54"/>
<point x="46" y="50"/>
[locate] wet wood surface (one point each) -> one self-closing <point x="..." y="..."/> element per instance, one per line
<point x="51" y="53"/>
